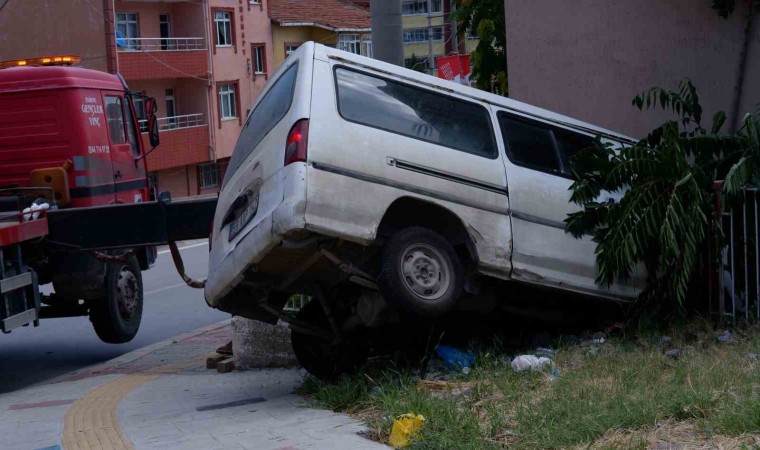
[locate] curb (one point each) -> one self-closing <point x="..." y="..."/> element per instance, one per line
<point x="136" y="354"/>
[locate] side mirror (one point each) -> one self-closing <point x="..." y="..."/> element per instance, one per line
<point x="150" y="112"/>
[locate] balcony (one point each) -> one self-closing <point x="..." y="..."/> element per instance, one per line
<point x="184" y="141"/>
<point x="176" y="122"/>
<point x="161" y="58"/>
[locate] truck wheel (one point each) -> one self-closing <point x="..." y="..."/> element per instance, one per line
<point x="322" y="358"/>
<point x="420" y="272"/>
<point x="116" y="317"/>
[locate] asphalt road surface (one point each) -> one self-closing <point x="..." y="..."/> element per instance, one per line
<point x="31" y="355"/>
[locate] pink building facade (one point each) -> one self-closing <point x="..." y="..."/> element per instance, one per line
<point x="205" y="62"/>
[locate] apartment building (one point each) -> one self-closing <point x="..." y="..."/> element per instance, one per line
<point x="336" y="23"/>
<point x="428" y="31"/>
<point x="204" y="62"/>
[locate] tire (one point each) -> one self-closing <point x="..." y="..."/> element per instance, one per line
<point x="322" y="358"/>
<point x="116" y="317"/>
<point x="420" y="272"/>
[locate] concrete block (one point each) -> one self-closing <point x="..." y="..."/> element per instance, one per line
<point x="213" y="360"/>
<point x="225" y="365"/>
<point x="258" y="345"/>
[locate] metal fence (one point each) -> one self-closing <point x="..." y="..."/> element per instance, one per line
<point x="176" y="122"/>
<point x="180" y="44"/>
<point x="738" y="279"/>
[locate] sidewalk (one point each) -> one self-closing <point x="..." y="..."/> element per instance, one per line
<point x="163" y="397"/>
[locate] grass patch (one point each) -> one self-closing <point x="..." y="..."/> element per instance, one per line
<point x="626" y="395"/>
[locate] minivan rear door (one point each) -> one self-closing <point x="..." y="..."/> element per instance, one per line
<point x="253" y="184"/>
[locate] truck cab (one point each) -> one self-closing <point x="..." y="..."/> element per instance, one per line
<point x="74" y="130"/>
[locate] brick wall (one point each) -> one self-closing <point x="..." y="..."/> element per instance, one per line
<point x="179" y="148"/>
<point x="148" y="65"/>
<point x="175" y="181"/>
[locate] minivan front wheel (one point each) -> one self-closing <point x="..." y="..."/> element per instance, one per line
<point x="421" y="272"/>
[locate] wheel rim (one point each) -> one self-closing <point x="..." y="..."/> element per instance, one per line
<point x="127" y="293"/>
<point x="425" y="271"/>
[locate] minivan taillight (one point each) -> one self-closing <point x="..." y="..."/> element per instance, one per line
<point x="298" y="138"/>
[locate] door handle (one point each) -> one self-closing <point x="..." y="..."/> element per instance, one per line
<point x="117" y="175"/>
<point x="240" y="202"/>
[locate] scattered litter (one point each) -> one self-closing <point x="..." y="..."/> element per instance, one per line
<point x="455" y="358"/>
<point x="466" y="370"/>
<point x="592" y="351"/>
<point x="554" y="375"/>
<point x="673" y="353"/>
<point x="504" y="433"/>
<point x="405" y="429"/>
<point x="599" y="340"/>
<point x="376" y="391"/>
<point x="529" y="362"/>
<point x="726" y="337"/>
<point x="753" y="356"/>
<point x="544" y="351"/>
<point x="664" y="340"/>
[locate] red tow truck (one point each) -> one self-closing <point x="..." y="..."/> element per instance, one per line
<point x="76" y="206"/>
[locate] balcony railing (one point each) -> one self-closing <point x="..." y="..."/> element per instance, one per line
<point x="176" y="122"/>
<point x="180" y="44"/>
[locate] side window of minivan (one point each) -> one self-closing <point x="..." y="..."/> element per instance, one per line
<point x="268" y="113"/>
<point x="540" y="146"/>
<point x="414" y="112"/>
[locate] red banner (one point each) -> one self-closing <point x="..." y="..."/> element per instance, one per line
<point x="454" y="68"/>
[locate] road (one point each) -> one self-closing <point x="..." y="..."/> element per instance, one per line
<point x="58" y="346"/>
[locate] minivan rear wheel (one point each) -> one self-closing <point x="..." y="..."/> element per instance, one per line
<point x="421" y="272"/>
<point x="324" y="359"/>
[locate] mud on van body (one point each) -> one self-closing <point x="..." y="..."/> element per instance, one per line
<point x="376" y="189"/>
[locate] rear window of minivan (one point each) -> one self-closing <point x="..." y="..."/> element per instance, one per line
<point x="414" y="112"/>
<point x="268" y="113"/>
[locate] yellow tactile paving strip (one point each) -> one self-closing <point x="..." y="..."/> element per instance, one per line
<point x="91" y="422"/>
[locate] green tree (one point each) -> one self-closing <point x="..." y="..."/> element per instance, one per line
<point x="489" y="59"/>
<point x="415" y="63"/>
<point x="664" y="217"/>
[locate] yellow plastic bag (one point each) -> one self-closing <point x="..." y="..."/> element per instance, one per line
<point x="404" y="429"/>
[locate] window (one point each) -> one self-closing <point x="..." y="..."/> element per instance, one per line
<point x="415" y="112"/>
<point x="171" y="108"/>
<point x="259" y="58"/>
<point x="115" y="118"/>
<point x="165" y="32"/>
<point x="126" y="25"/>
<point x="350" y="43"/>
<point x="291" y="47"/>
<point x="139" y="101"/>
<point x="227" y="102"/>
<point x="367" y="45"/>
<point x="269" y="112"/>
<point x="223" y="23"/>
<point x="208" y="175"/>
<point x="412" y="7"/>
<point x="254" y="2"/>
<point x="413" y="35"/>
<point x="541" y="146"/>
<point x="131" y="129"/>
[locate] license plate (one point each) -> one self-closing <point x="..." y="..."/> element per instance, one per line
<point x="242" y="220"/>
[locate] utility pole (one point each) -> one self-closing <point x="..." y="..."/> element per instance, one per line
<point x="431" y="61"/>
<point x="454" y="31"/>
<point x="387" y="31"/>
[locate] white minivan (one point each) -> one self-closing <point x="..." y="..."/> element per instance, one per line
<point x="372" y="189"/>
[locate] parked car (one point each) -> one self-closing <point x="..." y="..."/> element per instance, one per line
<point x="377" y="189"/>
